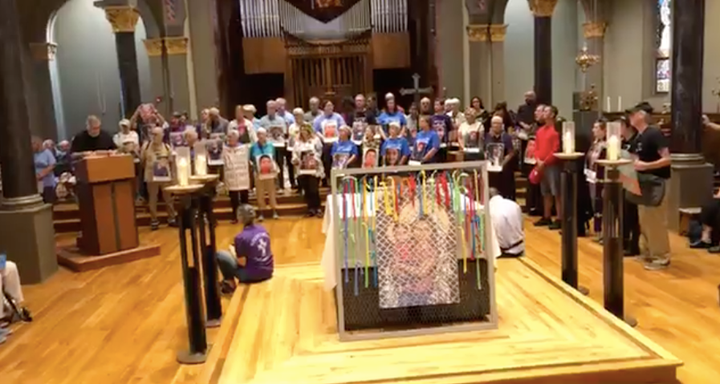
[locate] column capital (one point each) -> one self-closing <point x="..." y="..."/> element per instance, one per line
<point x="44" y="51"/>
<point x="542" y="8"/>
<point x="122" y="17"/>
<point x="477" y="32"/>
<point x="497" y="32"/>
<point x="154" y="47"/>
<point x="176" y="45"/>
<point x="594" y="29"/>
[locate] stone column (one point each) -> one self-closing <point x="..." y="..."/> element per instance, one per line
<point x="542" y="11"/>
<point x="497" y="54"/>
<point x="691" y="182"/>
<point x="154" y="48"/>
<point x="26" y="227"/>
<point x="123" y="19"/>
<point x="594" y="33"/>
<point x="480" y="62"/>
<point x="177" y="49"/>
<point x="43" y="53"/>
<point x="486" y="33"/>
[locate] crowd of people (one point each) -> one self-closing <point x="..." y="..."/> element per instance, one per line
<point x="297" y="148"/>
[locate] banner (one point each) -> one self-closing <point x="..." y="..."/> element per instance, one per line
<point x="323" y="10"/>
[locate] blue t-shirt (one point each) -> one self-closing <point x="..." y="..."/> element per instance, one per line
<point x="44" y="159"/>
<point x="258" y="150"/>
<point x="341" y="152"/>
<point x="254" y="244"/>
<point x="386" y="118"/>
<point x="425" y="141"/>
<point x="393" y="149"/>
<point x="328" y="126"/>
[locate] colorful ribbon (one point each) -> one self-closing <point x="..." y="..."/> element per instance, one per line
<point x="394" y="203"/>
<point x="367" y="253"/>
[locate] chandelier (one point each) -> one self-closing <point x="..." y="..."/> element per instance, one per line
<point x="585" y="59"/>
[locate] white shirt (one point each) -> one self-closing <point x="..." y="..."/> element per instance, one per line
<point x="121" y="138"/>
<point x="507" y="220"/>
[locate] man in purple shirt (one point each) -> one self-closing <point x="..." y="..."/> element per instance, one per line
<point x="250" y="259"/>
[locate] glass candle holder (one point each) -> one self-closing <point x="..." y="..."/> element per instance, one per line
<point x="614" y="141"/>
<point x="568" y="137"/>
<point x="182" y="163"/>
<point x="201" y="159"/>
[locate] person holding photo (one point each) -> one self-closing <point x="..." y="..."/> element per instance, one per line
<point x="307" y="158"/>
<point x="427" y="143"/>
<point x="326" y="125"/>
<point x="262" y="154"/>
<point x="236" y="173"/>
<point x="471" y="136"/>
<point x="276" y="127"/>
<point x="344" y="151"/>
<point x="44" y="165"/>
<point x="497" y="139"/>
<point x="152" y="153"/>
<point x="395" y="150"/>
<point x="391" y="114"/>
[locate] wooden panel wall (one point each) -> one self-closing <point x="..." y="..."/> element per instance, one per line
<point x="264" y="55"/>
<point x="390" y="50"/>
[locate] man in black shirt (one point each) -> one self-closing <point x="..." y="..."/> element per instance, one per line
<point x="93" y="138"/>
<point x="652" y="157"/>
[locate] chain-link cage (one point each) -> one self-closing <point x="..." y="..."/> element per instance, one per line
<point x="416" y="258"/>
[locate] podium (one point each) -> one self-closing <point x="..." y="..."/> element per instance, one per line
<point x="105" y="190"/>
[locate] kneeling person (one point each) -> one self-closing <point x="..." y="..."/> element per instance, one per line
<point x="507" y="219"/>
<point x="250" y="258"/>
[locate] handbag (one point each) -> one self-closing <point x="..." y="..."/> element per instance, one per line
<point x="535" y="176"/>
<point x="652" y="190"/>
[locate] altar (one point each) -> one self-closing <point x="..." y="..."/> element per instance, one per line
<point x="505" y="322"/>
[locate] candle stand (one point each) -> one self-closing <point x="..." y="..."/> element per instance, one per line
<point x="568" y="185"/>
<point x="613" y="284"/>
<point x="187" y="200"/>
<point x="208" y="246"/>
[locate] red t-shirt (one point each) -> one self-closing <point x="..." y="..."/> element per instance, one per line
<point x="547" y="142"/>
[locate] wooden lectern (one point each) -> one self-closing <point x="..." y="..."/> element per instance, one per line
<point x="106" y="198"/>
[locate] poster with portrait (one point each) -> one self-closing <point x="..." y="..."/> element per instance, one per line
<point x="473" y="141"/>
<point x="393" y="155"/>
<point x="358" y="130"/>
<point x="214" y="148"/>
<point x="370" y="158"/>
<point x="276" y="135"/>
<point x="308" y="163"/>
<point x="529" y="156"/>
<point x="340" y="160"/>
<point x="265" y="167"/>
<point x="161" y="169"/>
<point x="177" y="139"/>
<point x="417" y="255"/>
<point x="439" y="126"/>
<point x="237" y="171"/>
<point x="495" y="153"/>
<point x="329" y="131"/>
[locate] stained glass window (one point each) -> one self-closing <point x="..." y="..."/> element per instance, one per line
<point x="663" y="46"/>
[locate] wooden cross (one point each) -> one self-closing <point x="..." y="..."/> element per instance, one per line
<point x="416" y="91"/>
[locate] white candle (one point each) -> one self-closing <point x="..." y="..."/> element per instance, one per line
<point x="182" y="171"/>
<point x="613" y="148"/>
<point x="619" y="103"/>
<point x="200" y="165"/>
<point x="608" y="107"/>
<point x="568" y="143"/>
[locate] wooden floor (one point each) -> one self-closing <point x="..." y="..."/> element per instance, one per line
<point x="547" y="333"/>
<point x="124" y="324"/>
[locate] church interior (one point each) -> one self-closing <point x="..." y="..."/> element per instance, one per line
<point x="359" y="191"/>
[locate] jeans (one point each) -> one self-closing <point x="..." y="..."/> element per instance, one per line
<point x="310" y="184"/>
<point x="230" y="269"/>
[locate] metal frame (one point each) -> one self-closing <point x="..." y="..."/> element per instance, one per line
<point x="335" y="177"/>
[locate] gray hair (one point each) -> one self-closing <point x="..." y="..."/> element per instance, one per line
<point x="493" y="192"/>
<point x="246" y="214"/>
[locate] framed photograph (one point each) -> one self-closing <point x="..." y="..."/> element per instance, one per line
<point x="393" y="155"/>
<point x="161" y="169"/>
<point x="439" y="126"/>
<point x="265" y="167"/>
<point x="370" y="158"/>
<point x="308" y="163"/>
<point x="214" y="151"/>
<point x="495" y="153"/>
<point x="329" y="131"/>
<point x="358" y="131"/>
<point x="529" y="156"/>
<point x="340" y="160"/>
<point x="473" y="141"/>
<point x="177" y="139"/>
<point x="276" y="136"/>
<point x="237" y="170"/>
